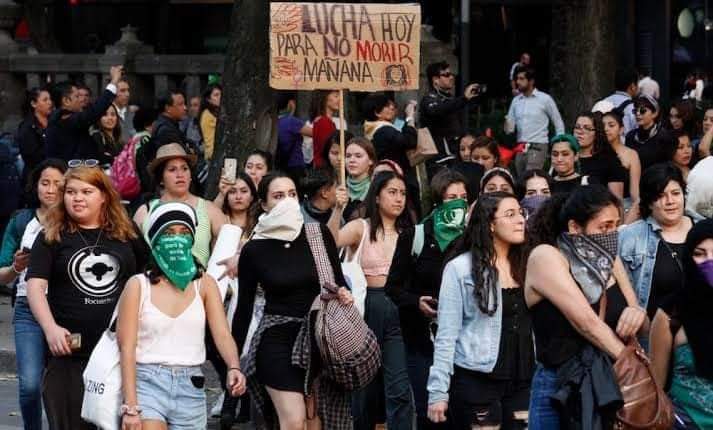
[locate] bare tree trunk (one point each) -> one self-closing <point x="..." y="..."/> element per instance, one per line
<point x="40" y="20"/>
<point x="247" y="120"/>
<point x="582" y="55"/>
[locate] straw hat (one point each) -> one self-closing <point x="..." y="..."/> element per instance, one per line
<point x="168" y="152"/>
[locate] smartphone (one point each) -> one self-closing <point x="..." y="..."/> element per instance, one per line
<point x="26" y="250"/>
<point x="230" y="169"/>
<point x="75" y="341"/>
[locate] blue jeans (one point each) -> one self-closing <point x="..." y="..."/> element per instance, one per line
<point x="390" y="390"/>
<point x="30" y="349"/>
<point x="542" y="414"/>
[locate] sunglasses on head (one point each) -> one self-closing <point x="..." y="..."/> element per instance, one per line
<point x="90" y="162"/>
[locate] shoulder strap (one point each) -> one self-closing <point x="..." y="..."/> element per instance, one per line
<point x="418" y="240"/>
<point x="603" y="305"/>
<point x="325" y="270"/>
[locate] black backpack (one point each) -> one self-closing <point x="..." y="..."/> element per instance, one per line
<point x="10" y="178"/>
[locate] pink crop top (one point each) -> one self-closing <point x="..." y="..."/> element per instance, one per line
<point x="374" y="262"/>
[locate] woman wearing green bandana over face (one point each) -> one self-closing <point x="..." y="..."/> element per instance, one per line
<point x="161" y="329"/>
<point x="415" y="277"/>
<point x="373" y="240"/>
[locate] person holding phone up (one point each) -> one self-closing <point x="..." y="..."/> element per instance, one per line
<point x="46" y="180"/>
<point x="161" y="329"/>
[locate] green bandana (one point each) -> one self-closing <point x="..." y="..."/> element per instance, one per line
<point x="449" y="221"/>
<point x="174" y="257"/>
<point x="358" y="189"/>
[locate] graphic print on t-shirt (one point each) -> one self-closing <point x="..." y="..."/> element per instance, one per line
<point x="94" y="272"/>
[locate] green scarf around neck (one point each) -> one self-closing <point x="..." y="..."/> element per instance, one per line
<point x="449" y="221"/>
<point x="358" y="188"/>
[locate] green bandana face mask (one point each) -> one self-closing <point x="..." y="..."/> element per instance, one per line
<point x="174" y="257"/>
<point x="449" y="221"/>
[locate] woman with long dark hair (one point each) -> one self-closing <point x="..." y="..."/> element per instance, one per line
<point x="106" y="133"/>
<point x="171" y="170"/>
<point x="372" y="242"/>
<point x="483" y="351"/>
<point x="680" y="338"/>
<point x="572" y="265"/>
<point x="629" y="159"/>
<point x="30" y="136"/>
<point x="239" y="203"/>
<point x="208" y="117"/>
<point x="278" y="257"/>
<point x="597" y="160"/>
<point x="78" y="267"/>
<point x="415" y="278"/>
<point x="46" y="183"/>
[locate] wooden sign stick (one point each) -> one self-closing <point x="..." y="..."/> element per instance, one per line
<point x="342" y="144"/>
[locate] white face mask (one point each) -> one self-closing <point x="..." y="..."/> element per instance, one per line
<point x="283" y="222"/>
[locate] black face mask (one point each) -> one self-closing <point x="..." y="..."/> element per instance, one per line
<point x="608" y="241"/>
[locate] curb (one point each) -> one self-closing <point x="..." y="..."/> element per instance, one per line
<point x="8" y="365"/>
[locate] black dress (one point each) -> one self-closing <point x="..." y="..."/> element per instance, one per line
<point x="288" y="276"/>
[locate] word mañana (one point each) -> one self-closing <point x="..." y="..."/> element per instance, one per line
<point x="296" y="45"/>
<point x="346" y="21"/>
<point x="336" y="70"/>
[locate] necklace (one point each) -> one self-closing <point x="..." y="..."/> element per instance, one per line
<point x="91" y="248"/>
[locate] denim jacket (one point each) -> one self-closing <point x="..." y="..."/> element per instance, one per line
<point x="638" y="243"/>
<point x="466" y="336"/>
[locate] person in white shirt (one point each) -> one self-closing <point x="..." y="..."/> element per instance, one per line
<point x="649" y="87"/>
<point x="626" y="82"/>
<point x="530" y="115"/>
<point x="126" y="115"/>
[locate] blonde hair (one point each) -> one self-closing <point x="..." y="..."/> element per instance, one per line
<point x="114" y="220"/>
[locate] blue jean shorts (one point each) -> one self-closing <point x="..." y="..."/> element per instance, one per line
<point x="172" y="394"/>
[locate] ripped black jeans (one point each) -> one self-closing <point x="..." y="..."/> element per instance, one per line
<point x="479" y="401"/>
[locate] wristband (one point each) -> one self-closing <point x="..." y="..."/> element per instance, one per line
<point x="131" y="411"/>
<point x="234" y="368"/>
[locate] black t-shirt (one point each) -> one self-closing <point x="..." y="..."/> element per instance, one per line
<point x="84" y="283"/>
<point x="566" y="186"/>
<point x="602" y="168"/>
<point x="667" y="277"/>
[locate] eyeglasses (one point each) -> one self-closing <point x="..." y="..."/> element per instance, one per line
<point x="584" y="128"/>
<point x="90" y="162"/>
<point x="512" y="213"/>
<point x="642" y="110"/>
<point x="445" y="74"/>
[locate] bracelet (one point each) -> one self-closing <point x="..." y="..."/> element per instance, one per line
<point x="235" y="368"/>
<point x="131" y="411"/>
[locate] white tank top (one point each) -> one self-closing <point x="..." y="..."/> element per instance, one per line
<point x="170" y="341"/>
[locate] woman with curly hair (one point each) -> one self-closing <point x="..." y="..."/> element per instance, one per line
<point x="483" y="351"/>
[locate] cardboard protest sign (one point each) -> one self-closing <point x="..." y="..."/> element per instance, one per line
<point x="360" y="47"/>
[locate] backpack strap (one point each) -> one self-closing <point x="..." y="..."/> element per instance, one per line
<point x="325" y="271"/>
<point x="419" y="237"/>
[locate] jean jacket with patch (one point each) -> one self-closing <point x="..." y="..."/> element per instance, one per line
<point x="466" y="337"/>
